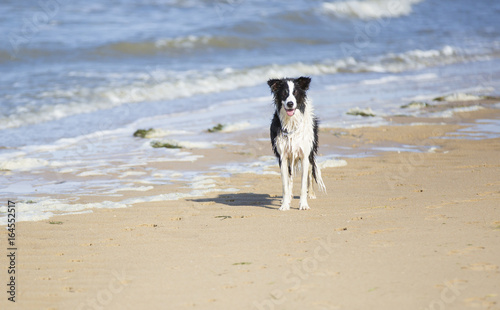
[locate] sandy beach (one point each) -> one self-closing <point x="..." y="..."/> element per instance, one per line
<point x="397" y="230"/>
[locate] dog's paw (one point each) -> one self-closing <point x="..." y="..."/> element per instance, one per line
<point x="304" y="206"/>
<point x="311" y="195"/>
<point x="285" y="207"/>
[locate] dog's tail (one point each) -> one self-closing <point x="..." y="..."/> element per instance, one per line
<point x="316" y="173"/>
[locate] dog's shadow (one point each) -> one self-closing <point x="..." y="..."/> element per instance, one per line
<point x="244" y="200"/>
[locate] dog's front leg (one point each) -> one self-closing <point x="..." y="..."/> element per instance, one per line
<point x="285" y="178"/>
<point x="303" y="191"/>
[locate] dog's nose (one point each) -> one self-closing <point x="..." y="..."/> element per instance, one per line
<point x="289" y="104"/>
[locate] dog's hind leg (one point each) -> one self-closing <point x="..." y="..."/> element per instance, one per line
<point x="285" y="178"/>
<point x="303" y="192"/>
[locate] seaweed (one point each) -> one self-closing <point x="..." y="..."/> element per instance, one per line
<point x="143" y="133"/>
<point x="242" y="263"/>
<point x="416" y="105"/>
<point x="55" y="222"/>
<point x="216" y="128"/>
<point x="159" y="144"/>
<point x="364" y="113"/>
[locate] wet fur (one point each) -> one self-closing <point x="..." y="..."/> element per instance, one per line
<point x="295" y="138"/>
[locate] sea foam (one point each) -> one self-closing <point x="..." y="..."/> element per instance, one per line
<point x="370" y="9"/>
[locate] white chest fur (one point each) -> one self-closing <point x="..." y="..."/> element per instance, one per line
<point x="295" y="142"/>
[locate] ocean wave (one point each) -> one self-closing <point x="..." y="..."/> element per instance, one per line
<point x="177" y="45"/>
<point x="369" y="9"/>
<point x="168" y="85"/>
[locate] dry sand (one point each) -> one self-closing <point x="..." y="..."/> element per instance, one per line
<point x="408" y="230"/>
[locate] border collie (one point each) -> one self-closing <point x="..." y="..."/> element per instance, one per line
<point x="294" y="137"/>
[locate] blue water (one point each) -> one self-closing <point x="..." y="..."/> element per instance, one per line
<point x="64" y="59"/>
<point x="77" y="72"/>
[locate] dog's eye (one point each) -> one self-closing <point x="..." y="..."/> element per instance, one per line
<point x="295" y="92"/>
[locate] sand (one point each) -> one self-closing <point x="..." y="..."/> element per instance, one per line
<point x="397" y="230"/>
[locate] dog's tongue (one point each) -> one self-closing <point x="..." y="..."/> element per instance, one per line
<point x="290" y="112"/>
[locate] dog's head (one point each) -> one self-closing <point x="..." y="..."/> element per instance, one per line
<point x="290" y="94"/>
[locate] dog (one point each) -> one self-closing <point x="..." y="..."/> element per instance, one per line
<point x="294" y="138"/>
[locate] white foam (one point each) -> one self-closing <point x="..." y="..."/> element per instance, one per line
<point x="160" y="133"/>
<point x="264" y="165"/>
<point x="332" y="163"/>
<point x="91" y="173"/>
<point x="183" y="42"/>
<point x="461" y="97"/>
<point x="180" y="158"/>
<point x="22" y="164"/>
<point x="47" y="208"/>
<point x="189" y="144"/>
<point x="451" y="112"/>
<point x="397" y="78"/>
<point x="357" y="111"/>
<point x="170" y="85"/>
<point x="133" y="189"/>
<point x="237" y="127"/>
<point x="370" y="9"/>
<point x="203" y="182"/>
<point x="468" y="109"/>
<point x="132" y="173"/>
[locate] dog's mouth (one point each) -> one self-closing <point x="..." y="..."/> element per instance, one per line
<point x="290" y="112"/>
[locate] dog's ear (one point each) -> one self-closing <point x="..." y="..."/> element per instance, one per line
<point x="304" y="82"/>
<point x="274" y="84"/>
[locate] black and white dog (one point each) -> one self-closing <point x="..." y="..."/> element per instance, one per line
<point x="294" y="137"/>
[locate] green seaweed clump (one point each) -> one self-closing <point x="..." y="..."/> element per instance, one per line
<point x="242" y="263"/>
<point x="364" y="113"/>
<point x="416" y="105"/>
<point x="143" y="133"/>
<point x="159" y="144"/>
<point x="216" y="128"/>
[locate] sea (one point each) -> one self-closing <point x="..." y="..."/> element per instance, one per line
<point x="78" y="78"/>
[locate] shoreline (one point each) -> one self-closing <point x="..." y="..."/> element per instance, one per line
<point x="247" y="151"/>
<point x="400" y="229"/>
